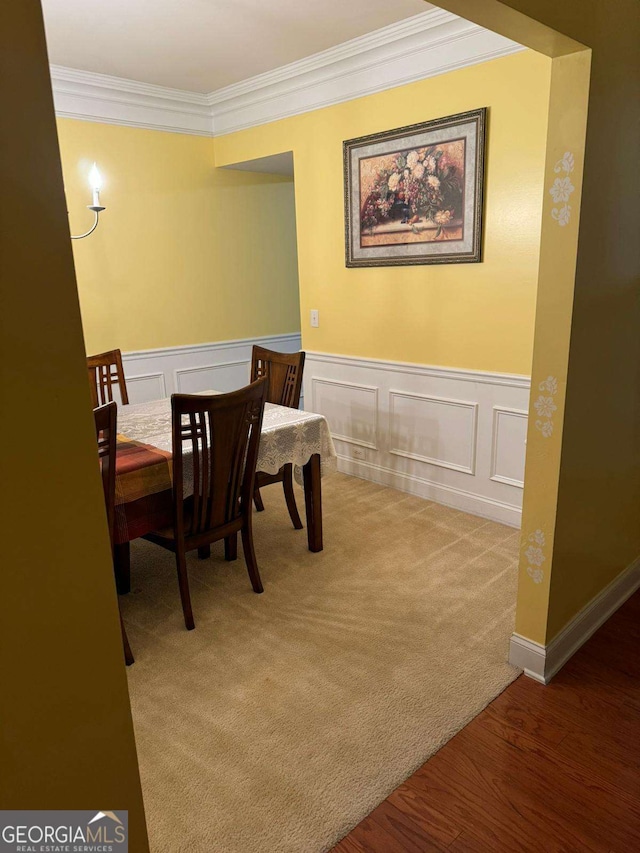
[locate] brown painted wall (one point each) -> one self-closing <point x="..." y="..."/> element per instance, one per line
<point x="65" y="721"/>
<point x="597" y="532"/>
<point x="598" y="522"/>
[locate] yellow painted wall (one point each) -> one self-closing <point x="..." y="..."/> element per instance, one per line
<point x="596" y="523"/>
<point x="66" y="731"/>
<point x="184" y="253"/>
<point x="471" y="316"/>
<point x="556" y="290"/>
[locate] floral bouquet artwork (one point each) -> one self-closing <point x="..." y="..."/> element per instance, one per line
<point x="414" y="195"/>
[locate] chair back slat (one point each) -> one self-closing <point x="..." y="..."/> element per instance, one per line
<point x="283" y="371"/>
<point x="224" y="434"/>
<point x="106" y="434"/>
<point x="105" y="372"/>
<point x="105" y="420"/>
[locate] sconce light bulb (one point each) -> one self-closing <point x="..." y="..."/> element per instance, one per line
<point x="95" y="182"/>
<point x="95" y="179"/>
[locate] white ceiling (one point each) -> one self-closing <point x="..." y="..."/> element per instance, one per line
<point x="203" y="45"/>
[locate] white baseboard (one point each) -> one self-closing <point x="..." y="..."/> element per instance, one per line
<point x="543" y="662"/>
<point x="223" y="365"/>
<point x="413" y="485"/>
<point x="449" y="435"/>
<point x="528" y="656"/>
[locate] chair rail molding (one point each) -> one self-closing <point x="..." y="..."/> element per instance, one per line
<point x="542" y="662"/>
<point x="427" y="430"/>
<point x="224" y="365"/>
<point x="425" y="45"/>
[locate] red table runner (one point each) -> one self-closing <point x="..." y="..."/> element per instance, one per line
<point x="143" y="489"/>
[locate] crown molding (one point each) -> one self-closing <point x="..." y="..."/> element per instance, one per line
<point x="434" y="42"/>
<point x="354" y="49"/>
<point x="89" y="96"/>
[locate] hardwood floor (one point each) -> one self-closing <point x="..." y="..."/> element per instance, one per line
<point x="541" y="769"/>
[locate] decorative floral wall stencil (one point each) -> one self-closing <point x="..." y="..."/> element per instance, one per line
<point x="545" y="406"/>
<point x="565" y="164"/>
<point x="562" y="189"/>
<point x="550" y="384"/>
<point x="535" y="556"/>
<point x="563" y="215"/>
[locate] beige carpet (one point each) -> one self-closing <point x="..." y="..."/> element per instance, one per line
<point x="284" y="718"/>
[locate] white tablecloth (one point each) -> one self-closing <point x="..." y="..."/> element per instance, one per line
<point x="288" y="435"/>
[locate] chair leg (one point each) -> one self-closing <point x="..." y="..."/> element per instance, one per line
<point x="122" y="565"/>
<point x="250" y="555"/>
<point x="257" y="499"/>
<point x="231" y="547"/>
<point x="128" y="654"/>
<point x="289" y="496"/>
<point x="204" y="552"/>
<point x="183" y="583"/>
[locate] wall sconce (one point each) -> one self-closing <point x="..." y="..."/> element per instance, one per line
<point x="95" y="182"/>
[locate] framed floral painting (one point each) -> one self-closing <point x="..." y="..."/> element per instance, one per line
<point x="414" y="195"/>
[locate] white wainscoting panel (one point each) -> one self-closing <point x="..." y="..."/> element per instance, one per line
<point x="220" y="377"/>
<point x="351" y="409"/>
<point x="223" y="366"/>
<point x="433" y="429"/>
<point x="509" y="441"/>
<point x="145" y="387"/>
<point x="452" y="436"/>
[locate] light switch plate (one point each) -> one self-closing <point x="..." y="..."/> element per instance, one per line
<point x="315" y="320"/>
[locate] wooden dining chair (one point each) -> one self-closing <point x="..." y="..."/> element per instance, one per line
<point x="105" y="419"/>
<point x="224" y="434"/>
<point x="284" y="376"/>
<point x="105" y="371"/>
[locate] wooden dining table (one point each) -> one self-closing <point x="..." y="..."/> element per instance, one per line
<point x="144" y="469"/>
